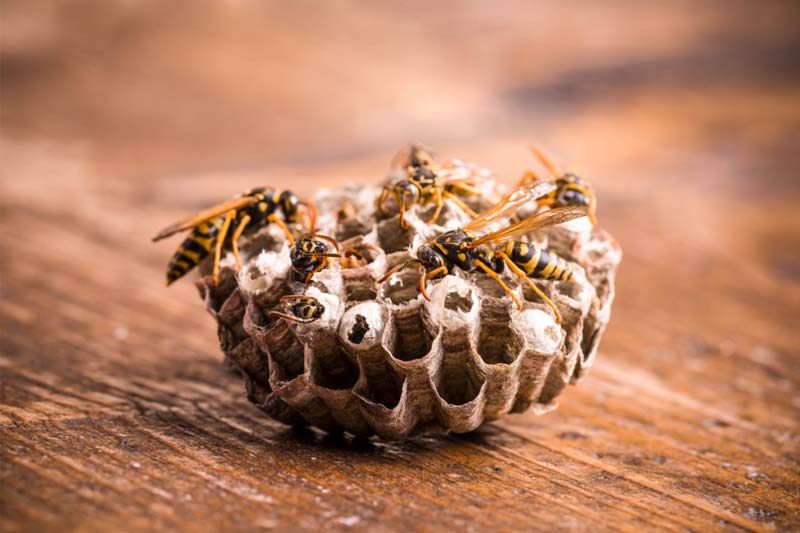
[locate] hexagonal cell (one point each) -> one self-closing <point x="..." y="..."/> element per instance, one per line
<point x="459" y="302"/>
<point x="402" y="287"/>
<point x="458" y="380"/>
<point x="529" y="296"/>
<point x="215" y="298"/>
<point x="491" y="288"/>
<point x="380" y="383"/>
<point x="498" y="342"/>
<point x="411" y="333"/>
<point x="287" y="353"/>
<point x="331" y="367"/>
<point x="361" y="326"/>
<point x="348" y="224"/>
<point x="358" y="270"/>
<point x="392" y="238"/>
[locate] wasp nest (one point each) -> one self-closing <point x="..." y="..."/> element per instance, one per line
<point x="381" y="359"/>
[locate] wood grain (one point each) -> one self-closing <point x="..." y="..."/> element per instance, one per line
<point x="115" y="411"/>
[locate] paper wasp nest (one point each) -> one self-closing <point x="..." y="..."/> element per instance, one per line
<point x="381" y="360"/>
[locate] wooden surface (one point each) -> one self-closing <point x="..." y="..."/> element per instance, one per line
<point x="115" y="411"/>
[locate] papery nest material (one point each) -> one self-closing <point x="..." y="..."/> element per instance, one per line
<point x="381" y="360"/>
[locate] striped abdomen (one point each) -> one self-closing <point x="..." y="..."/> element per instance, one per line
<point x="197" y="246"/>
<point x="537" y="262"/>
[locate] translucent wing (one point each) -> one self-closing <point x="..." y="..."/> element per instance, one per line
<point x="511" y="203"/>
<point x="202" y="216"/>
<point x="533" y="223"/>
<point x="412" y="154"/>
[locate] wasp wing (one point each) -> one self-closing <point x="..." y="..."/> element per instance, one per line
<point x="511" y="203"/>
<point x="413" y="154"/>
<point x="533" y="223"/>
<point x="206" y="214"/>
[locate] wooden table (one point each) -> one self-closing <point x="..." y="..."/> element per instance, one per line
<point x="115" y="411"/>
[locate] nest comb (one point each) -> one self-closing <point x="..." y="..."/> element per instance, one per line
<point x="382" y="360"/>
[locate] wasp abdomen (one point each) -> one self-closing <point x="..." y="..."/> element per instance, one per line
<point x="194" y="249"/>
<point x="537" y="262"/>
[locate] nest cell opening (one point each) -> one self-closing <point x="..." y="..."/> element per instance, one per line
<point x="413" y="334"/>
<point x="382" y="385"/>
<point x="402" y="287"/>
<point x="392" y="238"/>
<point x="457" y="302"/>
<point x="332" y="368"/>
<point x="287" y="354"/>
<point x="498" y="342"/>
<point x="458" y="380"/>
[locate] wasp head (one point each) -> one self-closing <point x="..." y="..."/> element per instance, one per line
<point x="406" y="193"/>
<point x="430" y="258"/>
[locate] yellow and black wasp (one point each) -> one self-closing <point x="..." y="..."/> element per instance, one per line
<point x="464" y="249"/>
<point x="570" y="189"/>
<point x="222" y="225"/>
<point x="426" y="180"/>
<point x="304" y="309"/>
<point x="310" y="254"/>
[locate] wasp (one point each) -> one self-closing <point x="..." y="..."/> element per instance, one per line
<point x="222" y="225"/>
<point x="311" y="254"/>
<point x="426" y="180"/>
<point x="570" y="189"/>
<point x="463" y="248"/>
<point x="304" y="309"/>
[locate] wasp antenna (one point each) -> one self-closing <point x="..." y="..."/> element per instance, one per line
<point x="398" y="268"/>
<point x="421" y="284"/>
<point x="292" y="297"/>
<point x="311" y="208"/>
<point x="545" y="161"/>
<point x="324" y="238"/>
<point x="286" y="317"/>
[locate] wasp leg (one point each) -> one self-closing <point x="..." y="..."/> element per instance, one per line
<point x="529" y="176"/>
<point x="223" y="231"/>
<point x="460" y="203"/>
<point x="281" y="224"/>
<point x="322" y="266"/>
<point x="235" y="239"/>
<point x="382" y="200"/>
<point x="518" y="271"/>
<point x="352" y="252"/>
<point x="290" y="317"/>
<point x="293" y="297"/>
<point x="494" y="276"/>
<point x="398" y="268"/>
<point x="437" y="197"/>
<point x="401" y="203"/>
<point x="592" y="208"/>
<point x="324" y="238"/>
<point x="469" y="189"/>
<point x="421" y="283"/>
